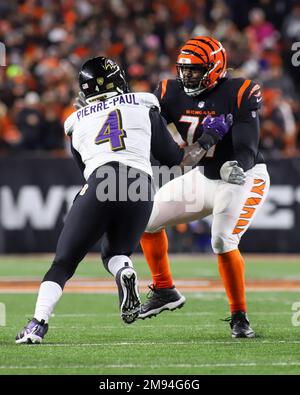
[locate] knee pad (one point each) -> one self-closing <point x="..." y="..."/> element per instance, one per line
<point x="222" y="243"/>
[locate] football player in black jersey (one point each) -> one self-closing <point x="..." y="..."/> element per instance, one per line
<point x="231" y="182"/>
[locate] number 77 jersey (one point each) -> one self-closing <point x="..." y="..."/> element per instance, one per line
<point x="237" y="96"/>
<point x="117" y="129"/>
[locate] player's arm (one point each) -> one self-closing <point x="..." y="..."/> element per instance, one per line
<point x="77" y="157"/>
<point x="245" y="134"/>
<point x="245" y="139"/>
<point x="168" y="152"/>
<point x="68" y="126"/>
<point x="246" y="128"/>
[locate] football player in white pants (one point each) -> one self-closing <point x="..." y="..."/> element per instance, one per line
<point x="194" y="196"/>
<point x="233" y="202"/>
<point x="234" y="183"/>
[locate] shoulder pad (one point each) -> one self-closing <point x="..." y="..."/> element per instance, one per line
<point x="147" y="99"/>
<point x="69" y="123"/>
<point x="249" y="96"/>
<point x="167" y="89"/>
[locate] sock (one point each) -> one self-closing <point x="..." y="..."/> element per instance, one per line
<point x="155" y="248"/>
<point x="117" y="262"/>
<point x="49" y="294"/>
<point x="231" y="268"/>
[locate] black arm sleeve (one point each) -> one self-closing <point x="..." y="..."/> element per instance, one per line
<point x="245" y="139"/>
<point x="77" y="157"/>
<point x="163" y="147"/>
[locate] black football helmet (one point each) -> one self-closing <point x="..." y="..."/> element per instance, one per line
<point x="101" y="78"/>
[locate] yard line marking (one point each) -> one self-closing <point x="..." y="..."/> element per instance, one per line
<point x="199" y="313"/>
<point x="154" y="366"/>
<point x="175" y="343"/>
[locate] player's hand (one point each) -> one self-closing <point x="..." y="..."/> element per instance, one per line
<point x="80" y="101"/>
<point x="232" y="173"/>
<point x="214" y="129"/>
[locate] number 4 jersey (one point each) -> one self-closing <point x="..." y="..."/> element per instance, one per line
<point x="125" y="129"/>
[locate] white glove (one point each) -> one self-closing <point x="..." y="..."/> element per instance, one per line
<point x="232" y="173"/>
<point x="80" y="101"/>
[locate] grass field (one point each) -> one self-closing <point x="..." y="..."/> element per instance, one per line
<point x="86" y="335"/>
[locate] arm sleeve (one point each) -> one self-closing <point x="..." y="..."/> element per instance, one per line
<point x="163" y="147"/>
<point x="68" y="125"/>
<point x="246" y="127"/>
<point x="77" y="157"/>
<point x="245" y="139"/>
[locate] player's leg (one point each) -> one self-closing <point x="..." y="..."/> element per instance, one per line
<point x="84" y="225"/>
<point x="181" y="200"/>
<point x="128" y="220"/>
<point x="234" y="210"/>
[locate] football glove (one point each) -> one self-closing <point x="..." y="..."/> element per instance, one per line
<point x="80" y="101"/>
<point x="214" y="129"/>
<point x="232" y="173"/>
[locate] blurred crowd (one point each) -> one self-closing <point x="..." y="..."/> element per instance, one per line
<point x="47" y="41"/>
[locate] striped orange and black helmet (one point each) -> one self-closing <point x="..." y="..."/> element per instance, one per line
<point x="202" y="61"/>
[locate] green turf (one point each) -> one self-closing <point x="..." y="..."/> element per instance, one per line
<point x="203" y="266"/>
<point x="87" y="336"/>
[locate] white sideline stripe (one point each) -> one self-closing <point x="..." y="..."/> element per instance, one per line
<point x="196" y="326"/>
<point x="181" y="312"/>
<point x="202" y="365"/>
<point x="229" y="342"/>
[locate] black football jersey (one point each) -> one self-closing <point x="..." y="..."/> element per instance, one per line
<point x="242" y="98"/>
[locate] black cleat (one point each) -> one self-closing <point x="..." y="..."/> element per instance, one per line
<point x="240" y="325"/>
<point x="160" y="299"/>
<point x="33" y="332"/>
<point x="130" y="303"/>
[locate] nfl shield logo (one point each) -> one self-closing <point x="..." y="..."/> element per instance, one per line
<point x="201" y="104"/>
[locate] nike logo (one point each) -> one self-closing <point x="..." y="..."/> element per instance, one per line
<point x="258" y="99"/>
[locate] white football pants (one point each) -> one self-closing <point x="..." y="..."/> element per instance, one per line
<point x="194" y="196"/>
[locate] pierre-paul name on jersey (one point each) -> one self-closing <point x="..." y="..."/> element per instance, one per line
<point x="107" y="104"/>
<point x="118" y="129"/>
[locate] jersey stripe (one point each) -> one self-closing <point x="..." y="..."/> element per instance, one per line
<point x="163" y="88"/>
<point x="242" y="91"/>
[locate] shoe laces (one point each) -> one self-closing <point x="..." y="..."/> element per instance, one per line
<point x="238" y="321"/>
<point x="227" y="319"/>
<point x="151" y="292"/>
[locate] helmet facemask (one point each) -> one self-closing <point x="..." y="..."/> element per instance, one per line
<point x="193" y="77"/>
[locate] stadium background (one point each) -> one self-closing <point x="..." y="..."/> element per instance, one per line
<point x="47" y="41"/>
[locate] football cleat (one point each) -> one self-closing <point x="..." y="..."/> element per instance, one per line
<point x="130" y="303"/>
<point x="240" y="325"/>
<point x="33" y="332"/>
<point x="160" y="299"/>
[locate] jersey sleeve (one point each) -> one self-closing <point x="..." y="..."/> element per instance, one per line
<point x="148" y="99"/>
<point x="249" y="97"/>
<point x="245" y="139"/>
<point x="77" y="157"/>
<point x="69" y="124"/>
<point x="163" y="147"/>
<point x="161" y="94"/>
